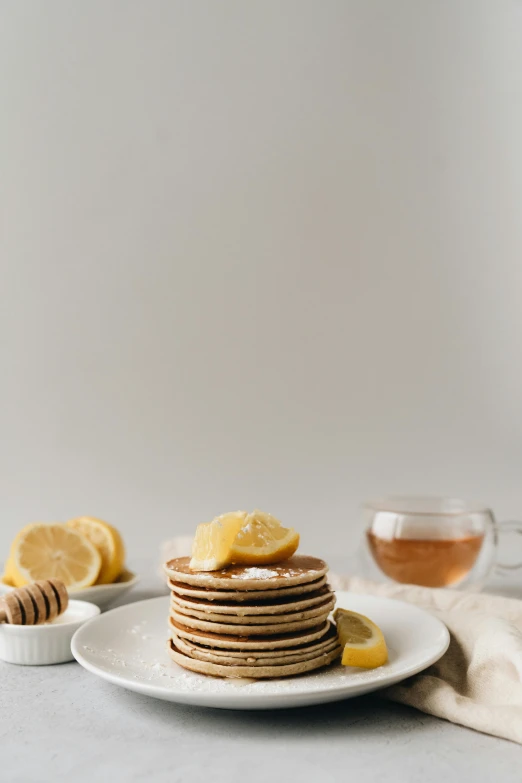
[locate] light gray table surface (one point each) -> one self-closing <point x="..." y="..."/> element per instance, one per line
<point x="63" y="723"/>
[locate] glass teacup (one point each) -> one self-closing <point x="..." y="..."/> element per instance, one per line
<point x="435" y="542"/>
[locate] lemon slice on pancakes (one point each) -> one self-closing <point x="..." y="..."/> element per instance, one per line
<point x="263" y="540"/>
<point x="242" y="539"/>
<point x="213" y="541"/>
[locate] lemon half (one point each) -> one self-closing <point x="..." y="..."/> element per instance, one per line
<point x="42" y="551"/>
<point x="107" y="541"/>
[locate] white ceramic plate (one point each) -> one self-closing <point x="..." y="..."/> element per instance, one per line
<point x="127" y="647"/>
<point x="101" y="595"/>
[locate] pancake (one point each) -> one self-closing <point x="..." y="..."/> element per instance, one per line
<point x="237" y="642"/>
<point x="247" y="630"/>
<point x="256" y="672"/>
<point x="238" y="596"/>
<point x="284" y="605"/>
<point x="313" y="645"/>
<point x="263" y="658"/>
<point x="298" y="570"/>
<point x="245" y="660"/>
<point x="220" y="620"/>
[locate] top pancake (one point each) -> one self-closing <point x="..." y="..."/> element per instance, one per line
<point x="298" y="570"/>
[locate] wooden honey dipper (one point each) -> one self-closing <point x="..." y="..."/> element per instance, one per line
<point x="34" y="604"/>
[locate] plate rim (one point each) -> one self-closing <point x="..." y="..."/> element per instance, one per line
<point x="259" y="701"/>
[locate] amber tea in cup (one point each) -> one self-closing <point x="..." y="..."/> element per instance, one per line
<point x="434" y="542"/>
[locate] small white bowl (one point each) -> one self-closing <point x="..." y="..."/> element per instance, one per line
<point x="101" y="595"/>
<point x="40" y="645"/>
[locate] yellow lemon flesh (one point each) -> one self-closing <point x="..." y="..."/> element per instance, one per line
<point x="7" y="576"/>
<point x="262" y="540"/>
<point x="41" y="551"/>
<point x="243" y="539"/>
<point x="107" y="541"/>
<point x="363" y="641"/>
<point x="213" y="541"/>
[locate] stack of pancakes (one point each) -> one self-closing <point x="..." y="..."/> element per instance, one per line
<point x="260" y="622"/>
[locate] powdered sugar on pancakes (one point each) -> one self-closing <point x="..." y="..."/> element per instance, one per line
<point x="255" y="573"/>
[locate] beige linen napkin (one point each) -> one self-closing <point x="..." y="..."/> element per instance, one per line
<point x="478" y="682"/>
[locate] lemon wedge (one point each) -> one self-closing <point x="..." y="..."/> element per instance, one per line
<point x="107" y="541"/>
<point x="263" y="540"/>
<point x="212" y="545"/>
<point x="243" y="539"/>
<point x="42" y="551"/>
<point x="363" y="641"/>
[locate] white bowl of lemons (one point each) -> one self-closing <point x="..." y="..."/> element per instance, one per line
<point x="86" y="553"/>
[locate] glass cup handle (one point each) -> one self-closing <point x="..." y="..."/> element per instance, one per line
<point x="508" y="527"/>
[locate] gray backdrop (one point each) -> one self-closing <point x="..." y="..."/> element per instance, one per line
<point x="258" y="254"/>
